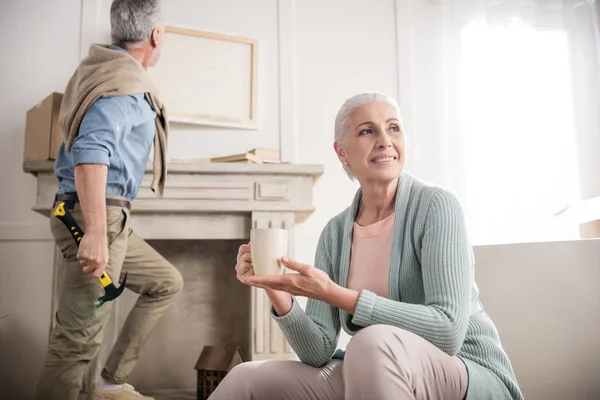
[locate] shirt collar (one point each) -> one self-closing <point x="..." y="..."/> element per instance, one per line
<point x="115" y="47"/>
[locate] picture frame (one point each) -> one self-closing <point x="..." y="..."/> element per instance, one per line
<point x="208" y="78"/>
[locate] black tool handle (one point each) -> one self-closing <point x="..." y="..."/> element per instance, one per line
<point x="62" y="213"/>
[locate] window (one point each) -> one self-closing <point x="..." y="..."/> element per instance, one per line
<point x="516" y="131"/>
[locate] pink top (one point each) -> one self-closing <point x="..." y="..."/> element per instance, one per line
<point x="370" y="256"/>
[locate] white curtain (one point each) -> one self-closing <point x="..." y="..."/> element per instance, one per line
<point x="501" y="101"/>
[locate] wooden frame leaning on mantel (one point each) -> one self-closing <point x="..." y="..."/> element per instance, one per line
<point x="208" y="78"/>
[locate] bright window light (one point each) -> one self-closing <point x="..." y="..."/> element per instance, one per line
<point x="517" y="133"/>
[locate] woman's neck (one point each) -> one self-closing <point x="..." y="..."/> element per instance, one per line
<point x="377" y="202"/>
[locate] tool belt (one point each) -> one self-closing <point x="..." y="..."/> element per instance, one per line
<point x="71" y="198"/>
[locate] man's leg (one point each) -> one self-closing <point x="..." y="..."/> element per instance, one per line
<point x="157" y="281"/>
<point x="77" y="335"/>
<point x="282" y="380"/>
<point x="385" y="362"/>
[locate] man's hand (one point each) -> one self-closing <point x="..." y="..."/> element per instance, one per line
<point x="93" y="254"/>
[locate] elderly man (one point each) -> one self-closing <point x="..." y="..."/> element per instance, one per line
<point x="110" y="118"/>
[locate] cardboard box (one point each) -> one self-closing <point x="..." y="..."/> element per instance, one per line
<point x="43" y="134"/>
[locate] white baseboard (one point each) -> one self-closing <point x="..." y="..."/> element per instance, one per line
<point x="13" y="232"/>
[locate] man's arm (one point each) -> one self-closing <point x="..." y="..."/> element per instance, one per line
<point x="98" y="134"/>
<point x="90" y="181"/>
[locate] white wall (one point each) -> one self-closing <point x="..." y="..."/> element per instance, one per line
<point x="342" y="48"/>
<point x="39" y="42"/>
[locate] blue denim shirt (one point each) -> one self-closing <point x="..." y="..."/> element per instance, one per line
<point x="116" y="131"/>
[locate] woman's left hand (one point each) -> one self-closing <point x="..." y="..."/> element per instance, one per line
<point x="308" y="282"/>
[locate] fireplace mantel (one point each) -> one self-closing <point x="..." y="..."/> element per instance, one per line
<point x="208" y="201"/>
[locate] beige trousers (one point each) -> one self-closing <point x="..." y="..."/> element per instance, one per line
<point x="381" y="362"/>
<point x="77" y="335"/>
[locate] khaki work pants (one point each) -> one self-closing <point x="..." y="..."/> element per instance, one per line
<point x="77" y="335"/>
<point x="382" y="362"/>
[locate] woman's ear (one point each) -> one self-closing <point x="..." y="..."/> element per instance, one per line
<point x="340" y="151"/>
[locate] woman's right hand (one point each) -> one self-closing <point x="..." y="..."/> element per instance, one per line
<point x="281" y="301"/>
<point x="243" y="268"/>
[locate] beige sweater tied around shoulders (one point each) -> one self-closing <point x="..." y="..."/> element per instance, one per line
<point x="107" y="72"/>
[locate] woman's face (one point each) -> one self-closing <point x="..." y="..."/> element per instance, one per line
<point x="374" y="147"/>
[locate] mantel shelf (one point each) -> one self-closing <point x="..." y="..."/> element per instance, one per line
<point x="206" y="200"/>
<point x="313" y="170"/>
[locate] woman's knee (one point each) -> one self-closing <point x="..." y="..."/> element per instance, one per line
<point x="369" y="339"/>
<point x="252" y="378"/>
<point x="240" y="375"/>
<point x="236" y="384"/>
<point x="244" y="369"/>
<point x="373" y="345"/>
<point x="261" y="372"/>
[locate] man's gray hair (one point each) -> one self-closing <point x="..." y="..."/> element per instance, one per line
<point x="132" y="21"/>
<point x="342" y="120"/>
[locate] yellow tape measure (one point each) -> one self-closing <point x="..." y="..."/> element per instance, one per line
<point x="59" y="211"/>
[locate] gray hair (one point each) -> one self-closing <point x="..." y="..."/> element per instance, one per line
<point x="342" y="120"/>
<point x="132" y="21"/>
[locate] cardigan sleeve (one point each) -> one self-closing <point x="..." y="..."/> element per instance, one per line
<point x="446" y="271"/>
<point x="313" y="334"/>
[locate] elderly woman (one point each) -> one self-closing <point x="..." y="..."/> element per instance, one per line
<point x="395" y="270"/>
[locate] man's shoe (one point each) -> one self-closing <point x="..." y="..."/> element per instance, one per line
<point x="127" y="392"/>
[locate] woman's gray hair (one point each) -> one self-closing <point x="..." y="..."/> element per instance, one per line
<point x="342" y="119"/>
<point x="132" y="21"/>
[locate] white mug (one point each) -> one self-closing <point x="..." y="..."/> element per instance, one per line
<point x="267" y="246"/>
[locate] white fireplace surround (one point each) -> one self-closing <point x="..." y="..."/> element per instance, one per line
<point x="210" y="201"/>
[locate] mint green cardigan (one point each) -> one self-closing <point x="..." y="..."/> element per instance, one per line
<point x="431" y="286"/>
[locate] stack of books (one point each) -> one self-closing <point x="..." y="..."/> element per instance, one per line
<point x="254" y="156"/>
